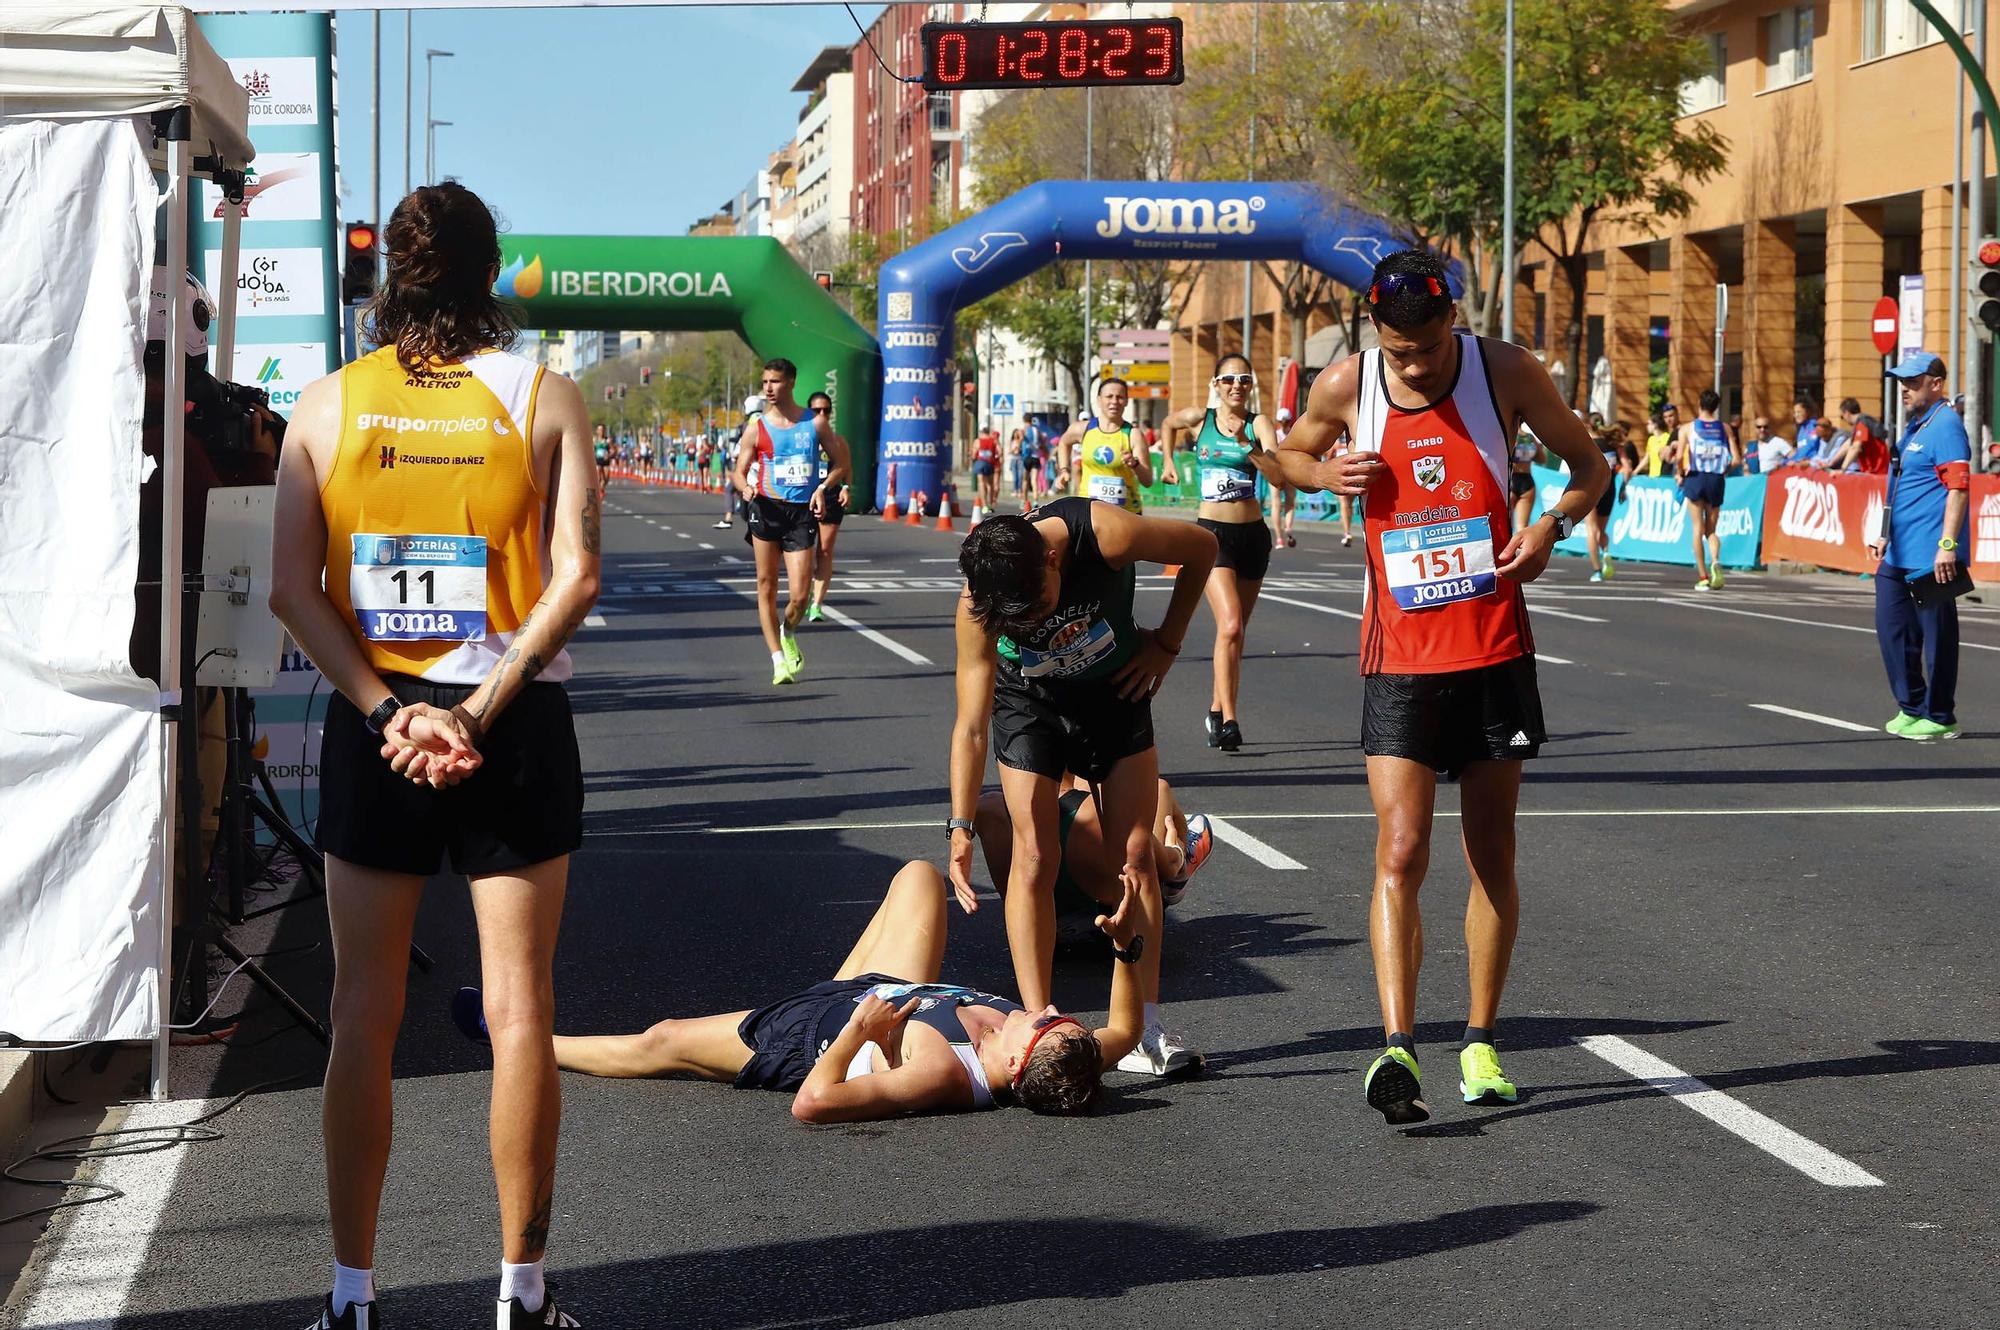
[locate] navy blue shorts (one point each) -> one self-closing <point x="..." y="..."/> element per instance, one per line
<point x="1702" y="487"/>
<point x="784" y="1037"/>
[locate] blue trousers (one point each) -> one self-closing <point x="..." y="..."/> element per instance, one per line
<point x="1917" y="642"/>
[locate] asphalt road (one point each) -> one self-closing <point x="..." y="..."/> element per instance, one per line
<point x="1752" y="1008"/>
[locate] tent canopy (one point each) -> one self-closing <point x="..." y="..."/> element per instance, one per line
<point x="81" y="62"/>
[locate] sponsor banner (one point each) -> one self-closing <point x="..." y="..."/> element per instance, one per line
<point x="282" y="187"/>
<point x="281" y="369"/>
<point x="1816" y="518"/>
<point x="284" y="89"/>
<point x="1650" y="523"/>
<point x="277" y="281"/>
<point x="290" y="716"/>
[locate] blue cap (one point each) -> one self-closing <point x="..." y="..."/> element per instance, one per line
<point x="1918" y="365"/>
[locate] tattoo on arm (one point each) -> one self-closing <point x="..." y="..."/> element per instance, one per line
<point x="536" y="1231"/>
<point x="593" y="523"/>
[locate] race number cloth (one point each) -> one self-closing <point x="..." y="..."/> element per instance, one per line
<point x="1440" y="563"/>
<point x="419" y="588"/>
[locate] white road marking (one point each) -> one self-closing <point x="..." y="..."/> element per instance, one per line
<point x="1780" y="618"/>
<point x="705" y="545"/>
<point x="1834" y="721"/>
<point x="887" y="643"/>
<point x="1553" y="660"/>
<point x="593" y="621"/>
<point x="1981" y="810"/>
<point x="84" y="1269"/>
<point x="1536" y="607"/>
<point x="1308" y="605"/>
<point x="1269" y="856"/>
<point x="684" y="535"/>
<point x="1739" y="1119"/>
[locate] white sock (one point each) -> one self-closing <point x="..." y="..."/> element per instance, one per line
<point x="523" y="1282"/>
<point x="351" y="1286"/>
<point x="777" y="657"/>
<point x="1153" y="1024"/>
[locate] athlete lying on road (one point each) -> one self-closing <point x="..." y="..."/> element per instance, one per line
<point x="884" y="1037"/>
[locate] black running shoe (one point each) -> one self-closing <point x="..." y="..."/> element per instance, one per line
<point x="358" y="1316"/>
<point x="1230" y="737"/>
<point x="1214" y="729"/>
<point x="513" y="1316"/>
<point x="468" y="1013"/>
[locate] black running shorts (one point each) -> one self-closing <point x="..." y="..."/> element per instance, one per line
<point x="1243" y="546"/>
<point x="1447" y="721"/>
<point x="1082" y="727"/>
<point x="523" y="806"/>
<point x="1520" y="483"/>
<point x="833" y="512"/>
<point x="1702" y="487"/>
<point x="784" y="1037"/>
<point x="1608" y="498"/>
<point x="790" y="526"/>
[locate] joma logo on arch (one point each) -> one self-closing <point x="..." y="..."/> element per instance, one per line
<point x="1200" y="217"/>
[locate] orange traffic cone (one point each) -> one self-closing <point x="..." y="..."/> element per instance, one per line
<point x="890" y="512"/>
<point x="944" y="515"/>
<point x="916" y="517"/>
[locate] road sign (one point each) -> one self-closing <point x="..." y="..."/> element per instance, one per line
<point x="1883" y="325"/>
<point x="1003" y="404"/>
<point x="1911" y="334"/>
<point x="1126" y="345"/>
<point x="1143" y="372"/>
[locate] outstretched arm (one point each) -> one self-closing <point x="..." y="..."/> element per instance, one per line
<point x="977" y="662"/>
<point x="1134" y="928"/>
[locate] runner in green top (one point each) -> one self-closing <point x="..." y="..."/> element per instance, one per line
<point x="1232" y="445"/>
<point x="1049" y="654"/>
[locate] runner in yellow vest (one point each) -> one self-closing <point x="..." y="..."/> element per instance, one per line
<point x="1113" y="462"/>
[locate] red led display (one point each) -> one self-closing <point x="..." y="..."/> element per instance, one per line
<point x="1086" y="53"/>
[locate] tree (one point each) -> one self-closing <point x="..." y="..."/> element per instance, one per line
<point x="1598" y="135"/>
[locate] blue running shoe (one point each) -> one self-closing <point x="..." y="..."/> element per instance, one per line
<point x="468" y="1013"/>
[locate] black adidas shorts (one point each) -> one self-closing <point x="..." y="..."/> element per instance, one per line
<point x="1082" y="727"/>
<point x="1243" y="546"/>
<point x="790" y="526"/>
<point x="523" y="806"/>
<point x="1448" y="721"/>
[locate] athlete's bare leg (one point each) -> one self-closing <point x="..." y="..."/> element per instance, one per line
<point x="1488" y="795"/>
<point x="705" y="1047"/>
<point x="1524" y="508"/>
<point x="905" y="938"/>
<point x="1346" y="506"/>
<point x="1403" y="792"/>
<point x="519" y="914"/>
<point x="798" y="581"/>
<point x="1031" y="881"/>
<point x="829" y="532"/>
<point x="768" y="557"/>
<point x="1596" y="539"/>
<point x="1699" y="525"/>
<point x="1230" y="600"/>
<point x="373" y="914"/>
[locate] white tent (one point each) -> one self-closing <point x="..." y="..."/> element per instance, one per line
<point x="93" y="100"/>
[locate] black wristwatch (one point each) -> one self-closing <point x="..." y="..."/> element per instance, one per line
<point x="1564" y="524"/>
<point x="1132" y="953"/>
<point x="952" y="824"/>
<point x="384" y="712"/>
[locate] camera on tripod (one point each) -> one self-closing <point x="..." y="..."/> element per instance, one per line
<point x="228" y="415"/>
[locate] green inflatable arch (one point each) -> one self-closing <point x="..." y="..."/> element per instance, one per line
<point x="750" y="285"/>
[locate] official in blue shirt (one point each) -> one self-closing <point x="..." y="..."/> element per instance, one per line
<point x="1930" y="475"/>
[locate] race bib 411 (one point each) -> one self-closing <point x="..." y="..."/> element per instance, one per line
<point x="1439" y="563"/>
<point x="419" y="588"/>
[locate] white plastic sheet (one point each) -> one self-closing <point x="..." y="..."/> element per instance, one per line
<point x="80" y="736"/>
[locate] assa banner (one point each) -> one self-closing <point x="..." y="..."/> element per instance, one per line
<point x="1823" y="519"/>
<point x="1650" y="523"/>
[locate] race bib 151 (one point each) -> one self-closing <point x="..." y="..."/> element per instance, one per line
<point x="1439" y="563"/>
<point x="419" y="588"/>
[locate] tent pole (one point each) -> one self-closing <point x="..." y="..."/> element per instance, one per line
<point x="172" y="480"/>
<point x="224" y="365"/>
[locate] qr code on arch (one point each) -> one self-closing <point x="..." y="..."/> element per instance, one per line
<point x="902" y="306"/>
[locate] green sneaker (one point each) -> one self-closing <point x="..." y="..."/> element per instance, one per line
<point x="1394" y="1088"/>
<point x="793" y="656"/>
<point x="1715" y="578"/>
<point x="782" y="672"/>
<point x="1923" y="729"/>
<point x="1480" y="1079"/>
<point x="814" y="613"/>
<point x="1902" y="722"/>
<point x="1610" y="567"/>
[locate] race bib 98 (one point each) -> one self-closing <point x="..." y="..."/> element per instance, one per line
<point x="1108" y="489"/>
<point x="419" y="588"/>
<point x="1439" y="563"/>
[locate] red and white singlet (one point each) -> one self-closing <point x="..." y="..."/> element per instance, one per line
<point x="1434" y="525"/>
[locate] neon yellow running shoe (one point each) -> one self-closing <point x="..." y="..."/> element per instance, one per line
<point x="782" y="672"/>
<point x="1715" y="577"/>
<point x="814" y="613"/>
<point x="793" y="656"/>
<point x="1480" y="1079"/>
<point x="1394" y="1088"/>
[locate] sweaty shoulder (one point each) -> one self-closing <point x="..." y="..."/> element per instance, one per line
<point x="315" y="421"/>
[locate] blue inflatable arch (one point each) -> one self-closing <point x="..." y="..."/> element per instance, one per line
<point x="923" y="288"/>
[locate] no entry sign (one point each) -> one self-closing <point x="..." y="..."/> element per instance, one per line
<point x="1883" y="325"/>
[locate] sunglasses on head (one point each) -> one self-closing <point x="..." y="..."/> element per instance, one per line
<point x="1236" y="380"/>
<point x="1041" y="1026"/>
<point x="1398" y="282"/>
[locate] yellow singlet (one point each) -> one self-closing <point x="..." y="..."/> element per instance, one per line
<point x="436" y="538"/>
<point x="1106" y="472"/>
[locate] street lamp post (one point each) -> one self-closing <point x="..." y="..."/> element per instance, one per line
<point x="430" y="125"/>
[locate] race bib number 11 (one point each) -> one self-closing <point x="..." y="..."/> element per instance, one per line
<point x="419" y="588"/>
<point x="1439" y="563"/>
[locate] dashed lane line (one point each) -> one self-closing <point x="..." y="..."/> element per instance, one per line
<point x="882" y="640"/>
<point x="1237" y="838"/>
<point x="593" y="621"/>
<point x="1308" y="605"/>
<point x="1535" y="606"/>
<point x="1835" y="721"/>
<point x="705" y="545"/>
<point x="1733" y="1116"/>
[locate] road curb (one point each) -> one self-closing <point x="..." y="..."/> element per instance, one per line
<point x="18" y="1070"/>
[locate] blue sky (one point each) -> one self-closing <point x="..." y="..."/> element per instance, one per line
<point x="614" y="121"/>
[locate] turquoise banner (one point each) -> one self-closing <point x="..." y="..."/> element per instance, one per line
<point x="1650" y="522"/>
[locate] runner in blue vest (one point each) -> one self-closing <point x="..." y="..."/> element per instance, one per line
<point x="1705" y="452"/>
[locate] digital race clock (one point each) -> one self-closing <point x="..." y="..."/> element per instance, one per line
<point x="1081" y="53"/>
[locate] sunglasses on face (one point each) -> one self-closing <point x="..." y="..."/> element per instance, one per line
<point x="821" y="410"/>
<point x="1236" y="380"/>
<point x="1399" y="282"/>
<point x="1041" y="1026"/>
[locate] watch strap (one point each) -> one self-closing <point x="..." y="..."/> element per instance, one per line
<point x="1131" y="954"/>
<point x="384" y="712"/>
<point x="964" y="824"/>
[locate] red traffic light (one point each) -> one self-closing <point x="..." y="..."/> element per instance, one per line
<point x="1989" y="252"/>
<point x="825" y="280"/>
<point x="360" y="235"/>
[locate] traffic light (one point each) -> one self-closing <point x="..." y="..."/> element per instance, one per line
<point x="621" y="392"/>
<point x="825" y="280"/>
<point x="645" y="376"/>
<point x="1986" y="284"/>
<point x="357" y="279"/>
